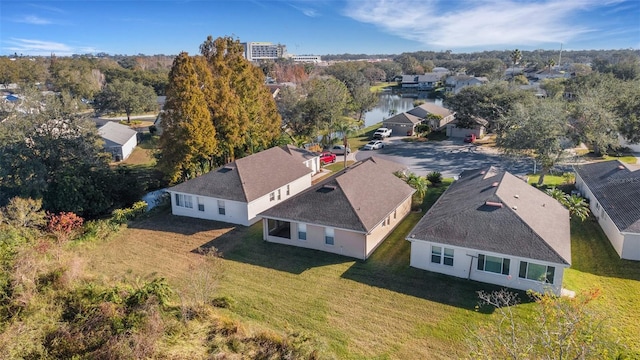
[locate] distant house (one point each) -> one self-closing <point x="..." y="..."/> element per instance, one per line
<point x="426" y="82"/>
<point x="423" y="111"/>
<point x="455" y="83"/>
<point x="478" y="127"/>
<point x="402" y="124"/>
<point x="350" y="213"/>
<point x="552" y="73"/>
<point x="237" y="192"/>
<point x="613" y="190"/>
<point x="119" y="140"/>
<point x="493" y="227"/>
<point x="633" y="147"/>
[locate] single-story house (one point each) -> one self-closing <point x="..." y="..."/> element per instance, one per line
<point x="350" y="213"/>
<point x="479" y="128"/>
<point x="455" y="83"/>
<point x="613" y="190"/>
<point x="554" y="73"/>
<point x="428" y="81"/>
<point x="239" y="191"/>
<point x="402" y="124"/>
<point x="633" y="147"/>
<point x="493" y="227"/>
<point x="423" y="111"/>
<point x="119" y="140"/>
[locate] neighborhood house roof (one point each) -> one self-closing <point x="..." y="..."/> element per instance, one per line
<point x="248" y="178"/>
<point x="403" y="118"/>
<point x="422" y="111"/>
<point x="617" y="189"/>
<point x="493" y="210"/>
<point x="426" y="78"/>
<point x="115" y="134"/>
<point x="357" y="198"/>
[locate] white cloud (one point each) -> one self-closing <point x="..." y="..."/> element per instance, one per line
<point x="38" y="47"/>
<point x="34" y="20"/>
<point x="470" y="23"/>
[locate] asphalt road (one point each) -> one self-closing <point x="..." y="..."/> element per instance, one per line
<point x="449" y="157"/>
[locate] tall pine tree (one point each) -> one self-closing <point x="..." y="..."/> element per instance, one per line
<point x="188" y="142"/>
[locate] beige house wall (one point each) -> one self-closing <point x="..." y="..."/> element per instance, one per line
<point x="380" y="232"/>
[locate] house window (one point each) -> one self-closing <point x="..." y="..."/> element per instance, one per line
<point x="184" y="201"/>
<point x="288" y="190"/>
<point x="200" y="204"/>
<point x="279" y="197"/>
<point x="272" y="196"/>
<point x="438" y="258"/>
<point x="221" y="209"/>
<point x="537" y="272"/>
<point x="493" y="264"/>
<point x="302" y="231"/>
<point x="328" y="236"/>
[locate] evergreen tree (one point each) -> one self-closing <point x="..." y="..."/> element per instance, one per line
<point x="188" y="140"/>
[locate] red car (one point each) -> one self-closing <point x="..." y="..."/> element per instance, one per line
<point x="327" y="157"/>
<point x="470" y="138"/>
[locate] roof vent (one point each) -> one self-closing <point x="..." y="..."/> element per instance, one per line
<point x="327" y="188"/>
<point x="621" y="167"/>
<point x="516" y="196"/>
<point x="514" y="207"/>
<point x="495" y="184"/>
<point x="493" y="203"/>
<point x="483" y="172"/>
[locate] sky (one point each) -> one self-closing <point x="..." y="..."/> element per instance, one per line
<point x="317" y="27"/>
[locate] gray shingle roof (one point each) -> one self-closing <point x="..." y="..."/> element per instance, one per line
<point x="403" y="118"/>
<point x="357" y="198"/>
<point x="617" y="189"/>
<point x="115" y="134"/>
<point x="425" y="109"/>
<point x="528" y="223"/>
<point x="248" y="178"/>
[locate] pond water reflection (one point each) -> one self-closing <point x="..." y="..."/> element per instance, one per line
<point x="390" y="105"/>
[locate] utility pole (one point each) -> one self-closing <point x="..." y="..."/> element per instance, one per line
<point x="560" y="57"/>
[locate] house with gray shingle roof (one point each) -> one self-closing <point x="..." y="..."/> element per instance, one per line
<point x="402" y="124"/>
<point x="426" y="82"/>
<point x="350" y="213"/>
<point x="435" y="115"/>
<point x="613" y="190"/>
<point x="239" y="191"/>
<point x="119" y="140"/>
<point x="493" y="227"/>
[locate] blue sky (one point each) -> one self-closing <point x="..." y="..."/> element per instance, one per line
<point x="317" y="26"/>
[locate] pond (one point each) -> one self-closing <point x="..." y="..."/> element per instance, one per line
<point x="390" y="105"/>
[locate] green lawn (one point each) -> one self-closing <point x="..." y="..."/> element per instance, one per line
<point x="350" y="309"/>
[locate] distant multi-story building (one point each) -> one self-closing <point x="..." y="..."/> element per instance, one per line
<point x="264" y="51"/>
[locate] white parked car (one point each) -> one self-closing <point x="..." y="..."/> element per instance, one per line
<point x="374" y="145"/>
<point x="382" y="133"/>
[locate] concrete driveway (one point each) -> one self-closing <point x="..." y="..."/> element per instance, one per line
<point x="449" y="157"/>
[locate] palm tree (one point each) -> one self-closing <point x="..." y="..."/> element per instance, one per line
<point x="419" y="183"/>
<point x="577" y="206"/>
<point x="515" y="56"/>
<point x="346" y="127"/>
<point x="557" y="194"/>
<point x="550" y="63"/>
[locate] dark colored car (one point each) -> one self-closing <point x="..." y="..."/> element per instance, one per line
<point x="470" y="138"/>
<point x="327" y="157"/>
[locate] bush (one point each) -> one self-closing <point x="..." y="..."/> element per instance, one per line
<point x="223" y="302"/>
<point x="121" y="216"/>
<point x="424" y="129"/>
<point x="434" y="177"/>
<point x="153" y="129"/>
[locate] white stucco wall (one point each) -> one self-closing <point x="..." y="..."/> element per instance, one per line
<point x="235" y="211"/>
<point x="612" y="232"/>
<point x="456" y="132"/>
<point x="631" y="247"/>
<point x="313" y="164"/>
<point x="263" y="203"/>
<point x="465" y="265"/>
<point x="128" y="147"/>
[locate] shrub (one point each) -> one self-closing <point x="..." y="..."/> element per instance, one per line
<point x="224" y="302"/>
<point x="25" y="213"/>
<point x="63" y="225"/>
<point x="153" y="129"/>
<point x="434" y="177"/>
<point x="121" y="216"/>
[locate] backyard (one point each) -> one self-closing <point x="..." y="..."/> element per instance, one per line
<point x="379" y="308"/>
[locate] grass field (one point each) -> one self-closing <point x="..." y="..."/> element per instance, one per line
<point x="375" y="309"/>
